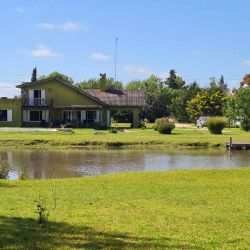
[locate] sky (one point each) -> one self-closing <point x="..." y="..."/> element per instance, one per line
<point x="198" y="38"/>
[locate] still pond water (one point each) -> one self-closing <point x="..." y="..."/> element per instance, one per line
<point x="62" y="164"/>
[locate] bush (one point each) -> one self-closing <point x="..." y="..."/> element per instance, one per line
<point x="100" y="126"/>
<point x="215" y="125"/>
<point x="164" y="126"/>
<point x="113" y="131"/>
<point x="159" y="122"/>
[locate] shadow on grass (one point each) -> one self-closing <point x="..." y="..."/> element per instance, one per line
<point x="25" y="233"/>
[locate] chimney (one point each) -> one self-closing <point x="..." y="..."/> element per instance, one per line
<point x="102" y="82"/>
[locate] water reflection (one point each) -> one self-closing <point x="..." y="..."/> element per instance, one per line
<point x="61" y="164"/>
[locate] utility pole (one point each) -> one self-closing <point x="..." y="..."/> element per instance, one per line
<point x="116" y="41"/>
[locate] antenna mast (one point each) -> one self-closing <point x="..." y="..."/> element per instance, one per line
<point x="116" y="41"/>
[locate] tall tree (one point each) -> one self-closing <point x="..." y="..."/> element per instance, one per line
<point x="174" y="81"/>
<point x="220" y="86"/>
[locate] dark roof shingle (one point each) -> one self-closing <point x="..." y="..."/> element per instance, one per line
<point x="132" y="98"/>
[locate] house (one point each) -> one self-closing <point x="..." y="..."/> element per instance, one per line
<point x="54" y="101"/>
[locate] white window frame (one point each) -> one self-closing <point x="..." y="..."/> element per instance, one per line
<point x="9" y="115"/>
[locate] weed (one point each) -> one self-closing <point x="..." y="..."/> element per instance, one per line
<point x="41" y="209"/>
<point x="4" y="169"/>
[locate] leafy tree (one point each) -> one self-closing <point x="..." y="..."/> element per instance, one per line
<point x="94" y="83"/>
<point x="205" y="104"/>
<point x="158" y="98"/>
<point x="178" y="106"/>
<point x="58" y="75"/>
<point x="237" y="108"/>
<point x="220" y="86"/>
<point x="174" y="81"/>
<point x="135" y="84"/>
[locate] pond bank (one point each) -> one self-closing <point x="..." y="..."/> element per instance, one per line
<point x="82" y="138"/>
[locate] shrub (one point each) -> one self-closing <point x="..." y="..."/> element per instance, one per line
<point x="100" y="126"/>
<point x="215" y="125"/>
<point x="164" y="126"/>
<point x="113" y="131"/>
<point x="159" y="122"/>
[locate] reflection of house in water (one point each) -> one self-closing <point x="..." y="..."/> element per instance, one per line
<point x="44" y="164"/>
<point x="62" y="164"/>
<point x="112" y="161"/>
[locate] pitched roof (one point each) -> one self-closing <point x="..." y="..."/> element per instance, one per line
<point x="110" y="97"/>
<point x="133" y="98"/>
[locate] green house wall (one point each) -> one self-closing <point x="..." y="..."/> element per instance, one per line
<point x="60" y="93"/>
<point x="15" y="106"/>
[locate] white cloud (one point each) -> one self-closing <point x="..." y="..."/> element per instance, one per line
<point x="245" y="63"/>
<point x="67" y="26"/>
<point x="138" y="70"/>
<point x="99" y="57"/>
<point x="43" y="51"/>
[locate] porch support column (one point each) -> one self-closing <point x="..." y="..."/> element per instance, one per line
<point x="135" y="118"/>
<point x="108" y="119"/>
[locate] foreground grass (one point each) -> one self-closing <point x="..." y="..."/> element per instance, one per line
<point x="88" y="137"/>
<point x="194" y="209"/>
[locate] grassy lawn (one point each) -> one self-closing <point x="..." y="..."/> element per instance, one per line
<point x="190" y="209"/>
<point x="87" y="137"/>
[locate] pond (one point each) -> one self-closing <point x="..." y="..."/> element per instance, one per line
<point x="66" y="164"/>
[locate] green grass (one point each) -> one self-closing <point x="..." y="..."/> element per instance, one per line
<point x="186" y="209"/>
<point x="87" y="137"/>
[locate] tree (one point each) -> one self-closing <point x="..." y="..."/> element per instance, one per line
<point x="94" y="83"/>
<point x="206" y="104"/>
<point x="174" y="81"/>
<point x="237" y="108"/>
<point x="178" y="106"/>
<point x="220" y="86"/>
<point x="34" y="73"/>
<point x="57" y="75"/>
<point x="134" y="84"/>
<point x="158" y="98"/>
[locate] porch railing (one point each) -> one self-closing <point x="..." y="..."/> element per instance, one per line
<point x="37" y="102"/>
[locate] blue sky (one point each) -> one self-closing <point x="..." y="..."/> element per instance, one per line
<point x="198" y="38"/>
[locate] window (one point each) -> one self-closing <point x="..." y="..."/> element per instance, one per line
<point x="36" y="116"/>
<point x="3" y="115"/>
<point x="37" y="97"/>
<point x="91" y="116"/>
<point x="37" y="93"/>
